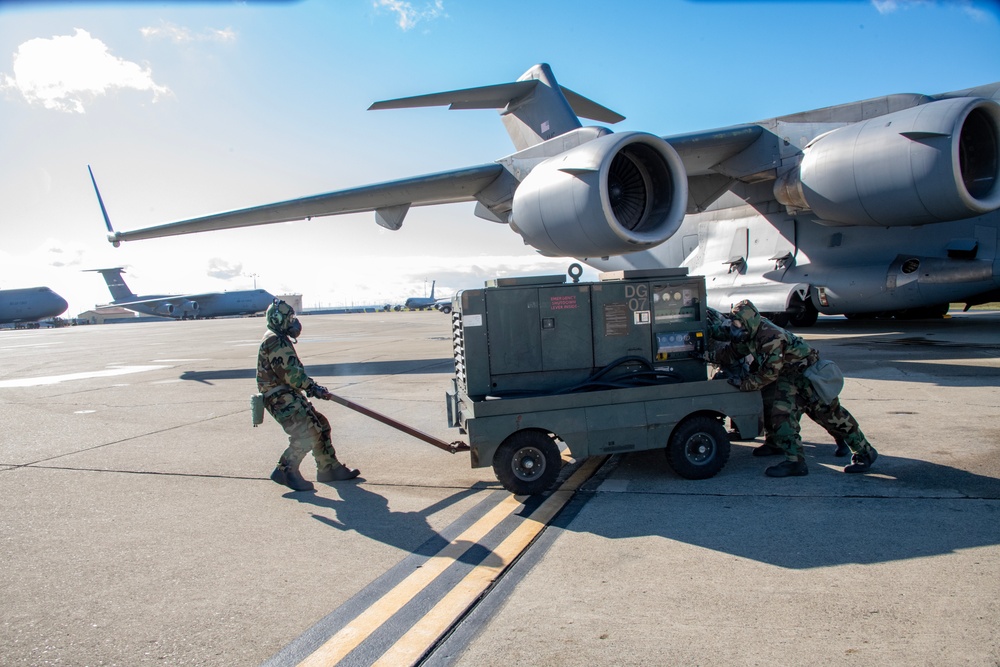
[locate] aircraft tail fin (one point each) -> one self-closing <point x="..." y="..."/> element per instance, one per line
<point x="433" y="282"/>
<point x="534" y="108"/>
<point x="116" y="283"/>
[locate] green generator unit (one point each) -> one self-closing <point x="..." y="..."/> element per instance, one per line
<point x="520" y="337"/>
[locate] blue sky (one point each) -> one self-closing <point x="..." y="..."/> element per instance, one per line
<point x="187" y="109"/>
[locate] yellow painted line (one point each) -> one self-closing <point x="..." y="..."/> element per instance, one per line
<point x="355" y="632"/>
<point x="411" y="646"/>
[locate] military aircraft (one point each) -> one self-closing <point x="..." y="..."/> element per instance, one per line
<point x="184" y="306"/>
<point x="30" y="304"/>
<point x="421" y="302"/>
<point x="882" y="206"/>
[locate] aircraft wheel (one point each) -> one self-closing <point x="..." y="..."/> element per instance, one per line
<point x="698" y="448"/>
<point x="446" y="310"/>
<point x="927" y="313"/>
<point x="804" y="316"/>
<point x="527" y="462"/>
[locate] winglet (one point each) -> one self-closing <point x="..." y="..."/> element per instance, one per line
<point x="104" y="211"/>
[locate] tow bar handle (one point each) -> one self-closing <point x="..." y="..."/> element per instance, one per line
<point x="452" y="447"/>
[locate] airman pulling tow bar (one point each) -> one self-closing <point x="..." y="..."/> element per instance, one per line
<point x="453" y="447"/>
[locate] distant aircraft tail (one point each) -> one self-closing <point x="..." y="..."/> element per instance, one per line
<point x="534" y="108"/>
<point x="433" y="282"/>
<point x="116" y="284"/>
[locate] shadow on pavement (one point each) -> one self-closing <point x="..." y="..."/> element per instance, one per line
<point x="904" y="509"/>
<point x="318" y="371"/>
<point x="368" y="514"/>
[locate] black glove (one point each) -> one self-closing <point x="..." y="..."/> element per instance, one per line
<point x="735" y="381"/>
<point x="317" y="391"/>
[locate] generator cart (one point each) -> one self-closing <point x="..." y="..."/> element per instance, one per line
<point x="603" y="367"/>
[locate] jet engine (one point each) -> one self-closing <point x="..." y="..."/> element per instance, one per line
<point x="165" y="309"/>
<point x="189" y="307"/>
<point x="616" y="194"/>
<point x="931" y="163"/>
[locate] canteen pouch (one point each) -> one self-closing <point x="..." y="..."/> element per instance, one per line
<point x="257" y="409"/>
<point x="826" y="378"/>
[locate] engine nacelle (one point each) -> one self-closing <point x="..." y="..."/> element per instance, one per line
<point x="166" y="309"/>
<point x="189" y="307"/>
<point x="616" y="194"/>
<point x="935" y="162"/>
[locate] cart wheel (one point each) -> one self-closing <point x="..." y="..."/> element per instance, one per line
<point x="698" y="448"/>
<point x="527" y="462"/>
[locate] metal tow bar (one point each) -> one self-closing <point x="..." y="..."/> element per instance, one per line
<point x="453" y="447"/>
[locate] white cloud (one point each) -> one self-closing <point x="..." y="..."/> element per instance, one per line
<point x="65" y="72"/>
<point x="181" y="35"/>
<point x="407" y="16"/>
<point x="223" y="269"/>
<point x="968" y="7"/>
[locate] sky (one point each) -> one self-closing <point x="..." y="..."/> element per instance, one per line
<point x="185" y="109"/>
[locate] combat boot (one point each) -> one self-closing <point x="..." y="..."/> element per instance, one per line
<point x="287" y="476"/>
<point x="788" y="469"/>
<point x="842" y="448"/>
<point x="338" y="474"/>
<point x="862" y="461"/>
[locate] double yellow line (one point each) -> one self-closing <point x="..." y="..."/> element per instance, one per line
<point x="432" y="626"/>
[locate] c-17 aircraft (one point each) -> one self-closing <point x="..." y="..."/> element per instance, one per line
<point x="882" y="206"/>
<point x="30" y="304"/>
<point x="184" y="306"/>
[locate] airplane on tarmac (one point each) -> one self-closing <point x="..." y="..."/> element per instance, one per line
<point x="421" y="302"/>
<point x="882" y="206"/>
<point x="184" y="306"/>
<point x="30" y="304"/>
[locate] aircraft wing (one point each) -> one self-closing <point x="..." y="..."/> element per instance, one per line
<point x="701" y="152"/>
<point x="389" y="200"/>
<point x="173" y="298"/>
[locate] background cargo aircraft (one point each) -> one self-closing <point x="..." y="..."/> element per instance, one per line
<point x="887" y="205"/>
<point x="30" y="304"/>
<point x="185" y="306"/>
<point x="421" y="302"/>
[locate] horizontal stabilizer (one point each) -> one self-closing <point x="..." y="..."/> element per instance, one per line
<point x="587" y="108"/>
<point x="498" y="97"/>
<point x="484" y="97"/>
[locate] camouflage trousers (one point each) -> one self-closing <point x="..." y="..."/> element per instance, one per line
<point x="307" y="430"/>
<point x="788" y="398"/>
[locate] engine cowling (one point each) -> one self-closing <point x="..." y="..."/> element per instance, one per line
<point x="932" y="163"/>
<point x="616" y="194"/>
<point x="189" y="307"/>
<point x="166" y="309"/>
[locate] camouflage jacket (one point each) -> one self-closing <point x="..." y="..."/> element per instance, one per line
<point x="776" y="351"/>
<point x="277" y="364"/>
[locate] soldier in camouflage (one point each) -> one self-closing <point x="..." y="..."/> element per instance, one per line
<point x="283" y="381"/>
<point x="718" y="338"/>
<point x="781" y="358"/>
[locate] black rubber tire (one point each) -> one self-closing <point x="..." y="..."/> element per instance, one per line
<point x="698" y="448"/>
<point x="527" y="462"/>
<point x="803" y="317"/>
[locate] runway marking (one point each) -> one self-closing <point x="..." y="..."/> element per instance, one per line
<point x="354" y="633"/>
<point x="429" y="629"/>
<point x="56" y="379"/>
<point x="14" y="347"/>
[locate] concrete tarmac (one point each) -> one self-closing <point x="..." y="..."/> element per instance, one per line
<point x="140" y="526"/>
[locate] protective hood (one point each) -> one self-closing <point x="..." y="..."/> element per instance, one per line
<point x="280" y="317"/>
<point x="748" y="314"/>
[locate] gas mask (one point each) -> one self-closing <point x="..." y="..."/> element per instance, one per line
<point x="294" y="328"/>
<point x="738" y="331"/>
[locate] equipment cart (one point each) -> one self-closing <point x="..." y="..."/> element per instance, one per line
<point x="604" y="367"/>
